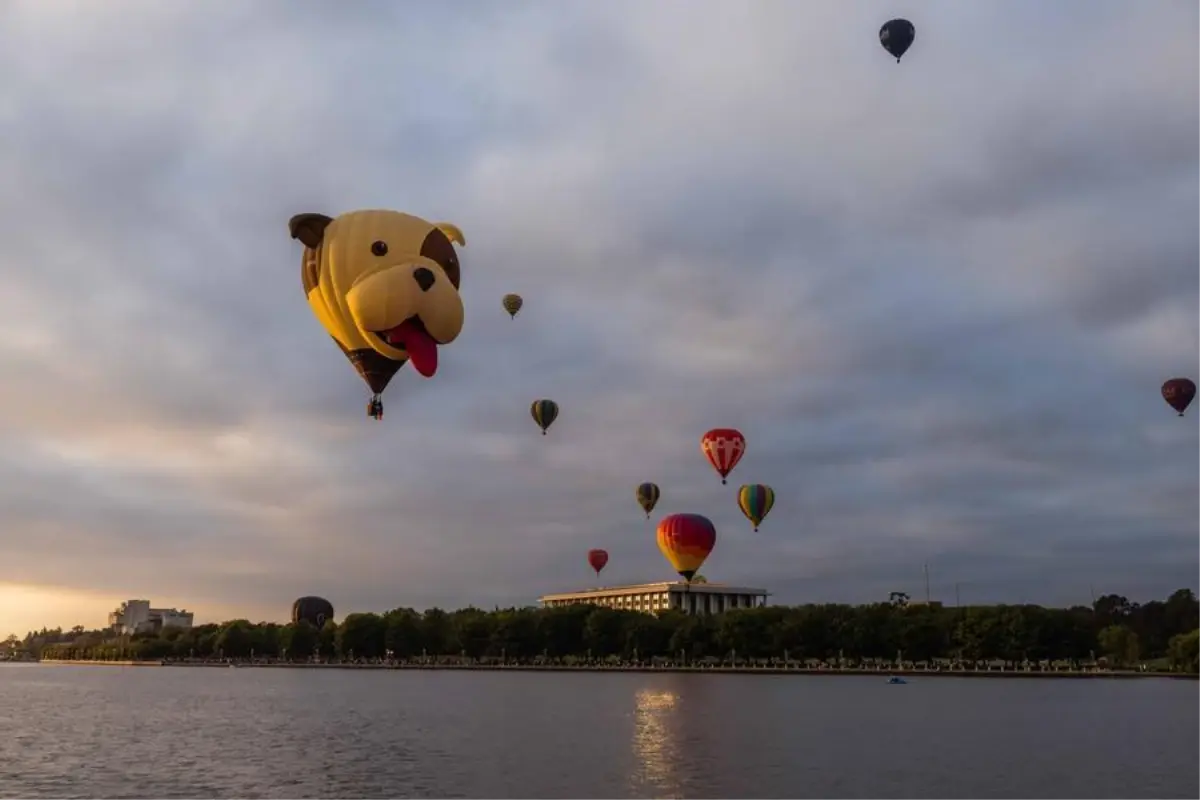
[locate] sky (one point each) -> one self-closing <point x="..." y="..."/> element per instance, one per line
<point x="938" y="298"/>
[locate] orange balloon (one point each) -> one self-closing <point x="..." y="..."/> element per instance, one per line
<point x="686" y="540"/>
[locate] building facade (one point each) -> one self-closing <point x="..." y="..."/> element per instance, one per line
<point x="654" y="598"/>
<point x="136" y="616"/>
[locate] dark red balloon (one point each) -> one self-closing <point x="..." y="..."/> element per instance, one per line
<point x="1179" y="393"/>
<point x="597" y="558"/>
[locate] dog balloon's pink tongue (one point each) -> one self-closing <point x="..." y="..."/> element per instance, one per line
<point x="421" y="348"/>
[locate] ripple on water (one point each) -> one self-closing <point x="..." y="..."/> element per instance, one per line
<point x="93" y="732"/>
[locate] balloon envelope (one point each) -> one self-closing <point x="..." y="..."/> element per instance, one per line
<point x="647" y="497"/>
<point x="686" y="541"/>
<point x="724" y="448"/>
<point x="897" y="36"/>
<point x="597" y="559"/>
<point x="544" y="413"/>
<point x="316" y="611"/>
<point x="756" y="500"/>
<point x="382" y="315"/>
<point x="1179" y="393"/>
<point x="512" y="304"/>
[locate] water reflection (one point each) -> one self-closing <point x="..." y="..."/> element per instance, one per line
<point x="656" y="741"/>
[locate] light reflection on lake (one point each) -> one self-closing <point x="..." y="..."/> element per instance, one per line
<point x="654" y="741"/>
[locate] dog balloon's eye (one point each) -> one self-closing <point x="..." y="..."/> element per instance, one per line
<point x="379" y="249"/>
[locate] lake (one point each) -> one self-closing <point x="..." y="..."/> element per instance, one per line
<point x="78" y="731"/>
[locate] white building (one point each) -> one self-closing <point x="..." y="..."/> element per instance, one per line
<point x="654" y="598"/>
<point x="136" y="616"/>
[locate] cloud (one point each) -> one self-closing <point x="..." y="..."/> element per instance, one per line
<point x="938" y="297"/>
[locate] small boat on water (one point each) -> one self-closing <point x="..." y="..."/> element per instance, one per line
<point x="896" y="679"/>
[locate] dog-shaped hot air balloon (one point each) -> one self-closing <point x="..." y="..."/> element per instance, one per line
<point x="384" y="285"/>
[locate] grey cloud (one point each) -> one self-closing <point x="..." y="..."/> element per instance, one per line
<point x="912" y="287"/>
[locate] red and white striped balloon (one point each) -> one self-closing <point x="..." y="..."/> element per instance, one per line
<point x="724" y="448"/>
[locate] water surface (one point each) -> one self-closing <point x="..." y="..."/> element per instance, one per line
<point x="205" y="732"/>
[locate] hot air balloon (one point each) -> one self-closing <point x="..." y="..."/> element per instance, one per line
<point x="724" y="448"/>
<point x="897" y="36"/>
<point x="756" y="500"/>
<point x="316" y="611"/>
<point x="597" y="559"/>
<point x="1179" y="393"/>
<point x="647" y="497"/>
<point x="686" y="540"/>
<point x="544" y="413"/>
<point x="512" y="304"/>
<point x="384" y="286"/>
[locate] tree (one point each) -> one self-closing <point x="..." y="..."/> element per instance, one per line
<point x="871" y="632"/>
<point x="402" y="634"/>
<point x="235" y="639"/>
<point x="361" y="636"/>
<point x="327" y="638"/>
<point x="298" y="641"/>
<point x="1183" y="651"/>
<point x="1120" y="644"/>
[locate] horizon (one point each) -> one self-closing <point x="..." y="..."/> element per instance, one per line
<point x="939" y="298"/>
<point x="914" y="599"/>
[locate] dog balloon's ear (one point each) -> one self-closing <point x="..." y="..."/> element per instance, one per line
<point x="309" y="228"/>
<point x="452" y="231"/>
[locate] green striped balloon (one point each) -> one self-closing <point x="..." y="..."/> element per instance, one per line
<point x="647" y="497"/>
<point x="544" y="413"/>
<point x="755" y="500"/>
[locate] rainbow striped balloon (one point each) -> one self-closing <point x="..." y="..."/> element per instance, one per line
<point x="755" y="500"/>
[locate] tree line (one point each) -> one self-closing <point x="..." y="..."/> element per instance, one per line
<point x="1114" y="629"/>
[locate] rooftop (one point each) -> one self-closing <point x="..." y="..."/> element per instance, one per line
<point x="662" y="586"/>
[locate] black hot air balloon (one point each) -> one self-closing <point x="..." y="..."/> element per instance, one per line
<point x="316" y="611"/>
<point x="1179" y="393"/>
<point x="897" y="36"/>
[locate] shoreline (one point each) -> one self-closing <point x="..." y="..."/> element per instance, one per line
<point x="880" y="673"/>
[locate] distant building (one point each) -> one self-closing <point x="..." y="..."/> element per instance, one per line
<point x="136" y="616"/>
<point x="654" y="598"/>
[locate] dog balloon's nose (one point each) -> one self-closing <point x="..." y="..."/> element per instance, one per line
<point x="424" y="278"/>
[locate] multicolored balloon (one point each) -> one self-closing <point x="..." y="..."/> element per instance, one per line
<point x="647" y="497"/>
<point x="544" y="413"/>
<point x="1179" y="393"/>
<point x="597" y="559"/>
<point x="686" y="541"/>
<point x="512" y="304"/>
<point x="897" y="36"/>
<point x="755" y="500"/>
<point x="724" y="448"/>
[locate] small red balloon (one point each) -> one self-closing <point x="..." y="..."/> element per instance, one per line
<point x="597" y="559"/>
<point x="1179" y="393"/>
